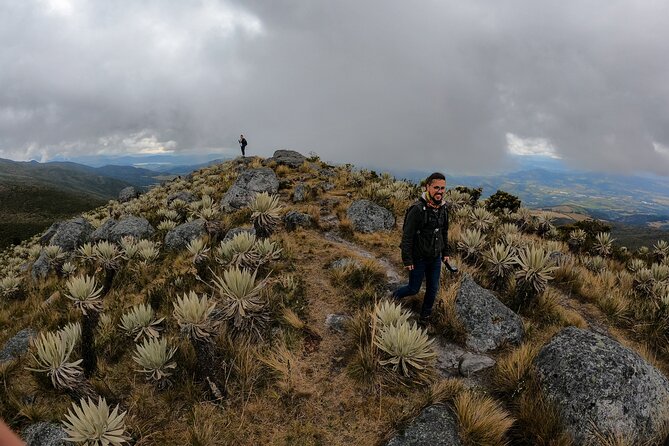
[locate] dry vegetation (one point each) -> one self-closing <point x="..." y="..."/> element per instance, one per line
<point x="225" y="342"/>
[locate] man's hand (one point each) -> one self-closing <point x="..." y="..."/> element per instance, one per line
<point x="447" y="258"/>
<point x="409" y="267"/>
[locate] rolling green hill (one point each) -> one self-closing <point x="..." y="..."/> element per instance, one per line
<point x="34" y="195"/>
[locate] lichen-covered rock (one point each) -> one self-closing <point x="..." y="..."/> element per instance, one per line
<point x="471" y="363"/>
<point x="182" y="235"/>
<point x="289" y="157"/>
<point x="41" y="267"/>
<point x="592" y="380"/>
<point x="72" y="233"/>
<point x="49" y="233"/>
<point x="17" y="345"/>
<point x="336" y="322"/>
<point x="127" y="194"/>
<point x="248" y="184"/>
<point x="294" y="219"/>
<point x="137" y="227"/>
<point x="183" y="195"/>
<point x="367" y="216"/>
<point x="103" y="231"/>
<point x="487" y="321"/>
<point x="300" y="193"/>
<point x="326" y="187"/>
<point x="45" y="434"/>
<point x="435" y="426"/>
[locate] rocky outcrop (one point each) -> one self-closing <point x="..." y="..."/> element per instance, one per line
<point x="183" y="195"/>
<point x="114" y="230"/>
<point x="247" y="185"/>
<point x="71" y="234"/>
<point x="435" y="426"/>
<point x="594" y="382"/>
<point x="289" y="157"/>
<point x="127" y="194"/>
<point x="300" y="193"/>
<point x="182" y="235"/>
<point x="337" y="322"/>
<point x="294" y="219"/>
<point x="488" y="323"/>
<point x="41" y="267"/>
<point x="17" y="345"/>
<point x="367" y="216"/>
<point x="49" y="233"/>
<point x="45" y="434"/>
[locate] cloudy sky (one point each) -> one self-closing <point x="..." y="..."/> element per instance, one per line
<point x="454" y="85"/>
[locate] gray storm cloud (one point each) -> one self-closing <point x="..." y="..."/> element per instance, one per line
<point x="443" y="84"/>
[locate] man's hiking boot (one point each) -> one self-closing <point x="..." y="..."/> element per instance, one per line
<point x="426" y="324"/>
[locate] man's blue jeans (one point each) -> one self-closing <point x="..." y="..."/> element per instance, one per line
<point x="430" y="269"/>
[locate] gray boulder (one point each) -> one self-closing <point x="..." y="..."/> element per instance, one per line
<point x="103" y="231"/>
<point x="183" y="195"/>
<point x="471" y="364"/>
<point x="127" y="194"/>
<point x="593" y="380"/>
<point x="72" y="233"/>
<point x="435" y="426"/>
<point x="367" y="216"/>
<point x="327" y="186"/>
<point x="45" y="434"/>
<point x="487" y="321"/>
<point x="182" y="235"/>
<point x="137" y="227"/>
<point x="17" y="345"/>
<point x="289" y="157"/>
<point x="49" y="233"/>
<point x="294" y="219"/>
<point x="300" y="193"/>
<point x="247" y="185"/>
<point x="41" y="267"/>
<point x="234" y="231"/>
<point x="336" y="322"/>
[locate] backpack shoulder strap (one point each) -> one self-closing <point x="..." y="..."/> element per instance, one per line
<point x="421" y="206"/>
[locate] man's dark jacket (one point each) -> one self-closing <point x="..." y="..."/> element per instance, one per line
<point x="425" y="233"/>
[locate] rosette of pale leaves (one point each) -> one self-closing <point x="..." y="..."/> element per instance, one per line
<point x="661" y="249"/>
<point x="52" y="355"/>
<point x="644" y="281"/>
<point x="54" y="254"/>
<point x="240" y="294"/>
<point x="524" y="219"/>
<point x="471" y="243"/>
<point x="198" y="249"/>
<point x="500" y="261"/>
<point x="83" y="293"/>
<point x="482" y="219"/>
<point x="603" y="244"/>
<point x="456" y="199"/>
<point x="154" y="355"/>
<point x="71" y="333"/>
<point x="129" y="247"/>
<point x="147" y="251"/>
<point x="535" y="268"/>
<point x="635" y="265"/>
<point x="265" y="251"/>
<point x="93" y="424"/>
<point x="660" y="272"/>
<point x="167" y="225"/>
<point x="388" y="313"/>
<point x="68" y="269"/>
<point x="10" y="286"/>
<point x="107" y="255"/>
<point x="265" y="213"/>
<point x="596" y="264"/>
<point x="141" y="321"/>
<point x="86" y="252"/>
<point x="239" y="250"/>
<point x="407" y="348"/>
<point x="34" y="252"/>
<point x="193" y="314"/>
<point x="577" y="238"/>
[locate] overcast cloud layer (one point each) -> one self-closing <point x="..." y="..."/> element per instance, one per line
<point x="451" y="85"/>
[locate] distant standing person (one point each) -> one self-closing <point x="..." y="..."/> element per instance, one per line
<point x="425" y="243"/>
<point x="243" y="144"/>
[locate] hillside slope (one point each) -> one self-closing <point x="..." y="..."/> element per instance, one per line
<point x="258" y="364"/>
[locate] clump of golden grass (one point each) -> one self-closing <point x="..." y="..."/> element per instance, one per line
<point x="483" y="421"/>
<point x="513" y="370"/>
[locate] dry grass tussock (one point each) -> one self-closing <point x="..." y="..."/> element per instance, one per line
<point x="483" y="421"/>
